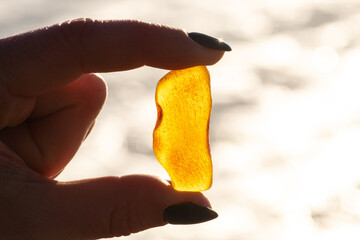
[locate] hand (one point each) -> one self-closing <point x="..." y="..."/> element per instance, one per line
<point x="49" y="100"/>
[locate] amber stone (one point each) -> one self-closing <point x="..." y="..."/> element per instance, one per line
<point x="181" y="134"/>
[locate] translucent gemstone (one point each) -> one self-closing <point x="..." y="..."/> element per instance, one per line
<point x="181" y="134"/>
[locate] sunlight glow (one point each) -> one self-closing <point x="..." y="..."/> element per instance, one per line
<point x="325" y="59"/>
<point x="279" y="51"/>
<point x="110" y="139"/>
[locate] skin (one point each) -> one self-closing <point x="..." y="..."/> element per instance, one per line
<point x="49" y="100"/>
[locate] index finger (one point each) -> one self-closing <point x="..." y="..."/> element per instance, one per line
<point x="41" y="60"/>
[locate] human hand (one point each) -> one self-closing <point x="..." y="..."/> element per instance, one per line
<point x="49" y="100"/>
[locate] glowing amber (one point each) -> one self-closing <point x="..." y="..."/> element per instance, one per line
<point x="181" y="134"/>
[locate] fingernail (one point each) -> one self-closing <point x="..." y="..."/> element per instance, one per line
<point x="188" y="213"/>
<point x="209" y="42"/>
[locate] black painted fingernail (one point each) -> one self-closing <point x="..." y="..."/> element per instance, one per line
<point x="209" y="42"/>
<point x="188" y="213"/>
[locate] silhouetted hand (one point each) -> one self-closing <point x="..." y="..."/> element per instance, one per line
<point x="49" y="100"/>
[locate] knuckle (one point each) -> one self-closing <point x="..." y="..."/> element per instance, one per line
<point x="119" y="220"/>
<point x="73" y="30"/>
<point x="73" y="34"/>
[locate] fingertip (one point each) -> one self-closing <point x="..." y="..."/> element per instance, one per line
<point x="161" y="197"/>
<point x="160" y="190"/>
<point x="172" y="48"/>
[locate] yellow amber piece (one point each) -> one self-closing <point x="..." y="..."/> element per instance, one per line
<point x="181" y="134"/>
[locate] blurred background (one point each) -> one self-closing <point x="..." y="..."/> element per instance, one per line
<point x="285" y="126"/>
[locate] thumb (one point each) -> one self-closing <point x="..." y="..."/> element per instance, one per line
<point x="111" y="206"/>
